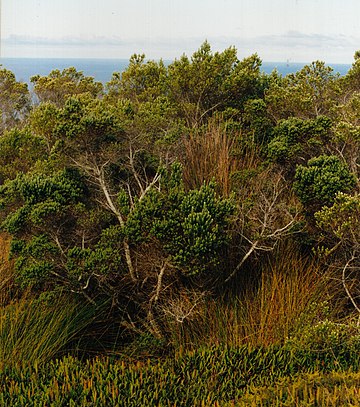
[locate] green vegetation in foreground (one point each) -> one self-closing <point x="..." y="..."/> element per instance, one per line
<point x="212" y="377"/>
<point x="316" y="389"/>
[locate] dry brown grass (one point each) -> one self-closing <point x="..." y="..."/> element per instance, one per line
<point x="290" y="294"/>
<point x="213" y="154"/>
<point x="6" y="270"/>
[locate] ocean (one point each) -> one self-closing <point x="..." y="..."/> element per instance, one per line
<point x="102" y="69"/>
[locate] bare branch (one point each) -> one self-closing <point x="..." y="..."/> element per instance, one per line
<point x="135" y="174"/>
<point x="245" y="257"/>
<point x="181" y="310"/>
<point x="346" y="288"/>
<point x="159" y="283"/>
<point x="262" y="221"/>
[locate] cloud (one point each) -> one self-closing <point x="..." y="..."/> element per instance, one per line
<point x="296" y="46"/>
<point x="288" y="40"/>
<point x="19" y="40"/>
<point x="102" y="47"/>
<point x="297" y="39"/>
<point x="293" y="45"/>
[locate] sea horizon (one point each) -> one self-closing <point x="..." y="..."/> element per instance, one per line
<point x="103" y="68"/>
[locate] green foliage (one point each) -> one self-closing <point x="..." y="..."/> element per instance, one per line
<point x="351" y="80"/>
<point x="256" y="121"/>
<point x="211" y="82"/>
<point x="191" y="226"/>
<point x="20" y="151"/>
<point x="339" y="225"/>
<point x="87" y="120"/>
<point x="342" y="218"/>
<point x="311" y="389"/>
<point x="325" y="335"/>
<point x="318" y="183"/>
<point x="93" y="202"/>
<point x="103" y="259"/>
<point x="42" y="122"/>
<point x="63" y="187"/>
<point x="142" y="81"/>
<point x="35" y="260"/>
<point x="194" y="233"/>
<point x="159" y="122"/>
<point x="36" y="206"/>
<point x="196" y="87"/>
<point x="14" y="100"/>
<point x="60" y="85"/>
<point x="307" y="93"/>
<point x="295" y="137"/>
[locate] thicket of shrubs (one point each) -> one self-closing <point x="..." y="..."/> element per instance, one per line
<point x="199" y="203"/>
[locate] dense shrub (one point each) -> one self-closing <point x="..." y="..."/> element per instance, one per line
<point x="318" y="183"/>
<point x="294" y="138"/>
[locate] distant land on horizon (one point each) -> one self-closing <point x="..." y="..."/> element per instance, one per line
<point x="102" y="69"/>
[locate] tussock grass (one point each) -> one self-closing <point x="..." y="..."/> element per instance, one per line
<point x="214" y="153"/>
<point x="6" y="270"/>
<point x="291" y="294"/>
<point x="209" y="155"/>
<point x="33" y="331"/>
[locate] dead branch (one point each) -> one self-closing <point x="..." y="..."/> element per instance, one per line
<point x="346" y="288"/>
<point x="263" y="220"/>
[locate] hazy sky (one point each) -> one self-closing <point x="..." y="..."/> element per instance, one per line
<point x="278" y="30"/>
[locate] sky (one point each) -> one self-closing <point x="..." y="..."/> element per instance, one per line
<point x="278" y="30"/>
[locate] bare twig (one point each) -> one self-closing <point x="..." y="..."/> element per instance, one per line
<point x="346" y="288"/>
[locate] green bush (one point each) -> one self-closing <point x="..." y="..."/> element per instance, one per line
<point x="319" y="182"/>
<point x="295" y="136"/>
<point x="328" y="335"/>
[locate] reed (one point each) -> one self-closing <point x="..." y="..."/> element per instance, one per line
<point x="291" y="294"/>
<point x="7" y="285"/>
<point x="33" y="331"/>
<point x="209" y="155"/>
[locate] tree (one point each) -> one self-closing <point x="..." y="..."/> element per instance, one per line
<point x="346" y="132"/>
<point x="142" y="81"/>
<point x="14" y="100"/>
<point x="296" y="140"/>
<point x="59" y="85"/>
<point x="106" y="212"/>
<point x="20" y="150"/>
<point x="351" y="81"/>
<point x="210" y="82"/>
<point x="306" y="94"/>
<point x="39" y="212"/>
